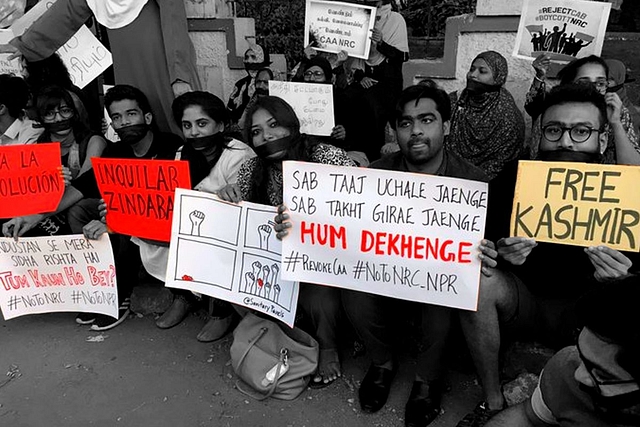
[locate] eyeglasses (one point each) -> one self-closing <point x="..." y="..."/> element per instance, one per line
<point x="314" y="73"/>
<point x="599" y="83"/>
<point x="65" y="113"/>
<point x="577" y="133"/>
<point x="593" y="369"/>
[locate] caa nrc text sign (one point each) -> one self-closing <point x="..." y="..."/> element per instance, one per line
<point x="332" y="26"/>
<point x="402" y="235"/>
<point x="57" y="273"/>
<point x="140" y="194"/>
<point x="578" y="204"/>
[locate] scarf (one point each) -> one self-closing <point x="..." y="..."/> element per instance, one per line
<point x="394" y="33"/>
<point x="115" y="14"/>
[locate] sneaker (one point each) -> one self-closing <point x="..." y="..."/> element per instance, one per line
<point x="480" y="415"/>
<point x="85" y="318"/>
<point x="104" y="322"/>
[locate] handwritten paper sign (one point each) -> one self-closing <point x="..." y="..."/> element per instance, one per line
<point x="312" y="103"/>
<point x="562" y="29"/>
<point x="83" y="54"/>
<point x="331" y="26"/>
<point x="85" y="57"/>
<point x="229" y="251"/>
<point x="30" y="180"/>
<point x="578" y="204"/>
<point x="8" y="66"/>
<point x="139" y="194"/>
<point x="402" y="235"/>
<point x="57" y="273"/>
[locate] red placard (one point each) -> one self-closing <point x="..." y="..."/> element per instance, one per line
<point x="139" y="194"/>
<point x="30" y="179"/>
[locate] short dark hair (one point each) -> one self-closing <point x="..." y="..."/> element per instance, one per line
<point x="573" y="92"/>
<point x="210" y="104"/>
<point x="424" y="90"/>
<point x="122" y="92"/>
<point x="14" y="94"/>
<point x="50" y="97"/>
<point x="265" y="70"/>
<point x="569" y="72"/>
<point x="611" y="312"/>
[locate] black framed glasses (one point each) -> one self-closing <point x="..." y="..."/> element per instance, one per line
<point x="577" y="133"/>
<point x="65" y="113"/>
<point x="593" y="370"/>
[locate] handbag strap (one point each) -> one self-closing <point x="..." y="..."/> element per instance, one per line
<point x="263" y="330"/>
<point x="256" y="395"/>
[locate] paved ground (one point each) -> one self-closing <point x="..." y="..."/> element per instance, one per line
<point x="138" y="375"/>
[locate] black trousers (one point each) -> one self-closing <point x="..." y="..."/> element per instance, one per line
<point x="376" y="320"/>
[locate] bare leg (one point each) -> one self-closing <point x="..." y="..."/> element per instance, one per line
<point x="498" y="299"/>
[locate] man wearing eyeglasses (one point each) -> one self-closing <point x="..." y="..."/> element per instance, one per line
<point x="533" y="292"/>
<point x="597" y="381"/>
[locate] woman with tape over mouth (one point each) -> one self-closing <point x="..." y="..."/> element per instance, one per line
<point x="487" y="128"/>
<point x="273" y="130"/>
<point x="203" y="118"/>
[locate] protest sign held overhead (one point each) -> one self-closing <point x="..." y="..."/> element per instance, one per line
<point x="578" y="204"/>
<point x="562" y="29"/>
<point x="402" y="235"/>
<point x="241" y="251"/>
<point x="57" y="273"/>
<point x="30" y="179"/>
<point x="331" y="26"/>
<point x="140" y="194"/>
<point x="312" y="103"/>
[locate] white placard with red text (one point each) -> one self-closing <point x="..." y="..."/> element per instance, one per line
<point x="57" y="273"/>
<point x="398" y="234"/>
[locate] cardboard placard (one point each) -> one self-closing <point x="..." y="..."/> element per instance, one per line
<point x="579" y="204"/>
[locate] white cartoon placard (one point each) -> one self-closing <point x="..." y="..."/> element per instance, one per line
<point x="229" y="251"/>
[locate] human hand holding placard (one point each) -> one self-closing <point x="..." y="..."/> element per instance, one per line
<point x="139" y="194"/>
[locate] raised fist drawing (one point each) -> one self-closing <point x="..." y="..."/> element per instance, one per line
<point x="264" y="231"/>
<point x="196" y="218"/>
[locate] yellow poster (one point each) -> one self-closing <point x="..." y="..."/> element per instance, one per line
<point x="578" y="204"/>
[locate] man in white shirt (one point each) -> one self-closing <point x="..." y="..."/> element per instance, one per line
<point x="15" y="127"/>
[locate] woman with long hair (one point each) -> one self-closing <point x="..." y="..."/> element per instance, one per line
<point x="203" y="119"/>
<point x="273" y="130"/>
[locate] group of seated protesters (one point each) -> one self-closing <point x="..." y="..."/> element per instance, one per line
<point x="556" y="294"/>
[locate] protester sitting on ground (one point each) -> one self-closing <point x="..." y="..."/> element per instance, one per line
<point x="273" y="130"/>
<point x="487" y="128"/>
<point x="56" y="111"/>
<point x="597" y="381"/>
<point x="15" y="127"/>
<point x="617" y="80"/>
<point x="422" y="122"/>
<point x="533" y="293"/>
<point x="622" y="139"/>
<point x="203" y="118"/>
<point x="378" y="81"/>
<point x="130" y="113"/>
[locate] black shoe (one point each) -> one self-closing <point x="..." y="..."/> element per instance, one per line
<point x="104" y="322"/>
<point x="85" y="318"/>
<point x="179" y="309"/>
<point x="423" y="405"/>
<point x="480" y="416"/>
<point x="375" y="387"/>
